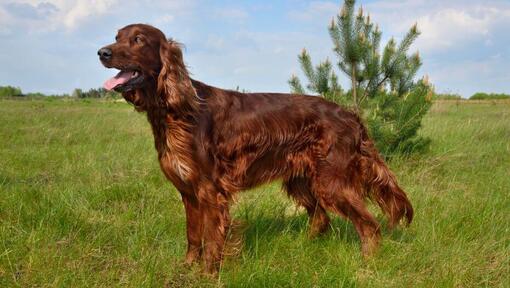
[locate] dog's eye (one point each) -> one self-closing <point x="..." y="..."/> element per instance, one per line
<point x="116" y="38"/>
<point x="138" y="40"/>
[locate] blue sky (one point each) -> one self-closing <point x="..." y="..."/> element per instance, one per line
<point x="50" y="46"/>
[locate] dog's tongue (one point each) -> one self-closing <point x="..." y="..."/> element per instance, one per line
<point x="119" y="79"/>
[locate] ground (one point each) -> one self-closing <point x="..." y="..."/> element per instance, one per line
<point x="83" y="203"/>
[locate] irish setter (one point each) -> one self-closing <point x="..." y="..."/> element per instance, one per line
<point x="212" y="143"/>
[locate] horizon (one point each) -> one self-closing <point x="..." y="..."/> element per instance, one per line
<point x="50" y="47"/>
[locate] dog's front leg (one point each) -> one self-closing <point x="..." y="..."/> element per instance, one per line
<point x="194" y="228"/>
<point x="216" y="220"/>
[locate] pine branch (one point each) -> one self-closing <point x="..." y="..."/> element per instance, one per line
<point x="295" y="85"/>
<point x="306" y="65"/>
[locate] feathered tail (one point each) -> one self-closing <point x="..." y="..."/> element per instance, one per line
<point x="382" y="185"/>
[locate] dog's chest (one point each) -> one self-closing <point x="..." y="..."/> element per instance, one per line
<point x="175" y="155"/>
<point x="174" y="144"/>
<point x="173" y="166"/>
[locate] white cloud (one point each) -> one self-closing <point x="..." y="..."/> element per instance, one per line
<point x="448" y="28"/>
<point x="68" y="15"/>
<point x="444" y="24"/>
<point x="74" y="13"/>
<point x="51" y="15"/>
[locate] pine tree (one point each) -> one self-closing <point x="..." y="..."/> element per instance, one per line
<point x="383" y="86"/>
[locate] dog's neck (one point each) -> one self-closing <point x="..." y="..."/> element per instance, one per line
<point x="172" y="114"/>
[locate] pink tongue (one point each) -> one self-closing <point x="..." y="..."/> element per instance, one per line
<point x="119" y="79"/>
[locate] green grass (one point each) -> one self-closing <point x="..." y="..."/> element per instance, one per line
<point x="83" y="203"/>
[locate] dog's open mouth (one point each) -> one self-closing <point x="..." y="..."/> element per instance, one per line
<point x="125" y="80"/>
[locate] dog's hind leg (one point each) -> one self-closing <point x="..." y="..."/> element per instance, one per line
<point x="299" y="190"/>
<point x="338" y="191"/>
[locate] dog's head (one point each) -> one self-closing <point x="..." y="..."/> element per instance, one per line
<point x="151" y="66"/>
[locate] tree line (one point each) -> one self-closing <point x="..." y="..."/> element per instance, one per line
<point x="98" y="93"/>
<point x="476" y="96"/>
<point x="11" y="91"/>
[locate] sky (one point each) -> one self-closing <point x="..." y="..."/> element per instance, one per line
<point x="50" y="46"/>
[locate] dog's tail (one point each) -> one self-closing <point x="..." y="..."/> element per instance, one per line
<point x="381" y="184"/>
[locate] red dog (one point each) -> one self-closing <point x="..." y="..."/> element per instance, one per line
<point x="213" y="143"/>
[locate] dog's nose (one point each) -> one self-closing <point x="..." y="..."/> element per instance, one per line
<point x="104" y="54"/>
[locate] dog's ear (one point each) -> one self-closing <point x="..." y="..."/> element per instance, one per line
<point x="174" y="85"/>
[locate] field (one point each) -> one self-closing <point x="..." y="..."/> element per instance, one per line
<point x="84" y="204"/>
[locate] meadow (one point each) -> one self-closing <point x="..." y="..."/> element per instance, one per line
<point x="83" y="204"/>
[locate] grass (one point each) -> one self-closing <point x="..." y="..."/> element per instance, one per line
<point x="84" y="204"/>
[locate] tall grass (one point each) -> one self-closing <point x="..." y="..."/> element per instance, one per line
<point x="83" y="203"/>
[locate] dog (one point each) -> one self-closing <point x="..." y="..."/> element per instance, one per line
<point x="213" y="143"/>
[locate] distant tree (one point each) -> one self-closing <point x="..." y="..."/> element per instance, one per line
<point x="242" y="90"/>
<point x="8" y="91"/>
<point x="383" y="86"/>
<point x="93" y="93"/>
<point x="78" y="93"/>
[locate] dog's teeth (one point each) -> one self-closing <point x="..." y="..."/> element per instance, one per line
<point x="135" y="73"/>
